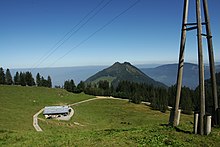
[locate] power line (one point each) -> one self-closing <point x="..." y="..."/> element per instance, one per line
<point x="69" y="34"/>
<point x="64" y="39"/>
<point x="98" y="30"/>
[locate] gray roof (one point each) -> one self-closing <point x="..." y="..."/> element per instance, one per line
<point x="50" y="110"/>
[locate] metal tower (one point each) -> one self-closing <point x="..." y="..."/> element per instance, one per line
<point x="175" y="114"/>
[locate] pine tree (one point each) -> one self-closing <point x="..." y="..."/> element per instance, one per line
<point x="103" y="85"/>
<point x="2" y="76"/>
<point x="38" y="80"/>
<point x="43" y="82"/>
<point x="72" y="86"/>
<point x="186" y="100"/>
<point x="67" y="86"/>
<point x="29" y="79"/>
<point x="49" y="82"/>
<point x="8" y="77"/>
<point x="17" y="79"/>
<point x="171" y="95"/>
<point x="160" y="100"/>
<point x="22" y="79"/>
<point x="81" y="86"/>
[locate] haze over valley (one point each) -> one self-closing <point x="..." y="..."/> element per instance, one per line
<point x="104" y="73"/>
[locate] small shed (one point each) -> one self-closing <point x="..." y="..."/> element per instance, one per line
<point x="56" y="111"/>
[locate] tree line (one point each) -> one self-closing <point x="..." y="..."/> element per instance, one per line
<point x="135" y="92"/>
<point x="70" y="86"/>
<point x="23" y="79"/>
<point x="160" y="98"/>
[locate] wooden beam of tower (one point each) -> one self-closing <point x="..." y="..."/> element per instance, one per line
<point x="201" y="69"/>
<point x="211" y="60"/>
<point x="181" y="62"/>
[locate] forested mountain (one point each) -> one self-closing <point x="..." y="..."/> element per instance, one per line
<point x="208" y="94"/>
<point x="123" y="72"/>
<point x="208" y="81"/>
<point x="167" y="74"/>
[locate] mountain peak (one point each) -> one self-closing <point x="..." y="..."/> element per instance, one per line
<point x="116" y="63"/>
<point x="121" y="64"/>
<point x="127" y="63"/>
<point x="123" y="72"/>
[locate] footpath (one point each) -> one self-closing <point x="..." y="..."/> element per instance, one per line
<point x="35" y="116"/>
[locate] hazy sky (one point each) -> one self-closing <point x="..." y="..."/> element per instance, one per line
<point x="147" y="33"/>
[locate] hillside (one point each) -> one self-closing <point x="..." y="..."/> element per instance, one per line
<point x="123" y="72"/>
<point x="208" y="81"/>
<point x="103" y="122"/>
<point x="18" y="104"/>
<point x="167" y="74"/>
<point x="208" y="87"/>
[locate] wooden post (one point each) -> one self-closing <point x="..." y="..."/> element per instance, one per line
<point x="201" y="69"/>
<point x="211" y="61"/>
<point x="174" y="122"/>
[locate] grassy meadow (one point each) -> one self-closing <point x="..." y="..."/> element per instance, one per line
<point x="96" y="123"/>
<point x="18" y="104"/>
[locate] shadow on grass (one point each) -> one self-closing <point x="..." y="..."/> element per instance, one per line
<point x="176" y="128"/>
<point x="183" y="131"/>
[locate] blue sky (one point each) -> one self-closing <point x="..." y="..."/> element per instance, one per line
<point x="146" y="34"/>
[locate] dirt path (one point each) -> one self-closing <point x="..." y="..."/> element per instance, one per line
<point x="35" y="117"/>
<point x="35" y="121"/>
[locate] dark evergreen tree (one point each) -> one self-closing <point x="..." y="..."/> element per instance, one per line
<point x="49" y="82"/>
<point x="2" y="76"/>
<point x="103" y="88"/>
<point x="72" y="85"/>
<point x="29" y="79"/>
<point x="22" y="79"/>
<point x="160" y="101"/>
<point x="38" y="80"/>
<point x="81" y="87"/>
<point x="67" y="86"/>
<point x="171" y="95"/>
<point x="44" y="82"/>
<point x="8" y="77"/>
<point x="17" y="79"/>
<point x="186" y="100"/>
<point x="103" y="85"/>
<point x="163" y="100"/>
<point x="136" y="98"/>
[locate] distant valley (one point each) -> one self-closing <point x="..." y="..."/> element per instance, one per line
<point x="165" y="73"/>
<point x="60" y="74"/>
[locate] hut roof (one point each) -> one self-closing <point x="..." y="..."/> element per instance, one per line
<point x="53" y="110"/>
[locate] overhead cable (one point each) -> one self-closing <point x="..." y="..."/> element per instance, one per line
<point x="98" y="30"/>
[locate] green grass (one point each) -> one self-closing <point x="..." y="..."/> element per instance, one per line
<point x="107" y="78"/>
<point x="108" y="114"/>
<point x="19" y="104"/>
<point x="106" y="122"/>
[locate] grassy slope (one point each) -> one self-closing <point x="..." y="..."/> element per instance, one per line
<point x="19" y="104"/>
<point x="106" y="122"/>
<point x="105" y="78"/>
